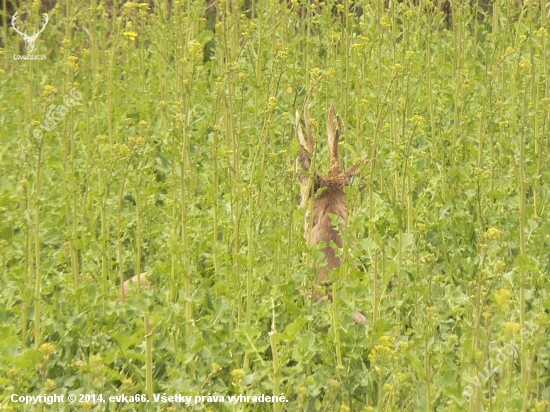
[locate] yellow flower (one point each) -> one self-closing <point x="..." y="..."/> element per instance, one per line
<point x="96" y="360"/>
<point x="272" y="103"/>
<point x="282" y="54"/>
<point x="357" y="47"/>
<point x="315" y="73"/>
<point x="542" y="33"/>
<point x="398" y="69"/>
<point x="541" y="406"/>
<point x="503" y="299"/>
<point x="493" y="233"/>
<point x="46" y="349"/>
<point x="541" y="319"/>
<point x="49" y="385"/>
<point x="525" y="64"/>
<point x="236" y="377"/>
<point x="48" y="90"/>
<point x="383" y="352"/>
<point x="127" y="383"/>
<point x="417" y="119"/>
<point x="512" y="328"/>
<point x="121" y="150"/>
<point x="334" y="384"/>
<point x="195" y="49"/>
<point x="130" y="35"/>
<point x="73" y="61"/>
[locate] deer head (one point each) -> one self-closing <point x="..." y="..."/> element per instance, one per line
<point x="325" y="194"/>
<point x="29" y="40"/>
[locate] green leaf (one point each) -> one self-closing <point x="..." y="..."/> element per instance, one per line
<point x="293" y="328"/>
<point x="417" y="365"/>
<point x="29" y="359"/>
<point x="205" y="36"/>
<point x="125" y="341"/>
<point x="495" y="194"/>
<point x="526" y="262"/>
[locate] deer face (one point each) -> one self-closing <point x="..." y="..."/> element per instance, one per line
<point x="324" y="196"/>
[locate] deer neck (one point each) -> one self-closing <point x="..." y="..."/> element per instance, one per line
<point x="331" y="202"/>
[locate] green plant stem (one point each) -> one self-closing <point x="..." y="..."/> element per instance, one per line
<point x="276" y="365"/>
<point x="148" y="356"/>
<point x="38" y="266"/>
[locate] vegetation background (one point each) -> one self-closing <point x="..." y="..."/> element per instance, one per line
<point x="179" y="160"/>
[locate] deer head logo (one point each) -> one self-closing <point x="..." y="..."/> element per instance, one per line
<point x="29" y="40"/>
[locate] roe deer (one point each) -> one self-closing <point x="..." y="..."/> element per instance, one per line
<point x="332" y="200"/>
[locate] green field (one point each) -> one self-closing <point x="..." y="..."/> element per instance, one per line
<point x="162" y="139"/>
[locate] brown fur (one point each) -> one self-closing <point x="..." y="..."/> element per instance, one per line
<point x="124" y="292"/>
<point x="331" y="202"/>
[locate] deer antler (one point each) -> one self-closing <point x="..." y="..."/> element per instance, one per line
<point x="307" y="148"/>
<point x="35" y="35"/>
<point x="335" y="161"/>
<point x="13" y="21"/>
